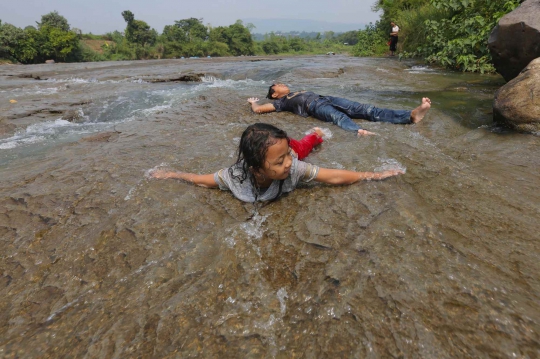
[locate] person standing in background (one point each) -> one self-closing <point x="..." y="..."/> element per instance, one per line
<point x="393" y="38"/>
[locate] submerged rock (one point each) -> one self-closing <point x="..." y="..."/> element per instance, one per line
<point x="76" y="116"/>
<point x="101" y="137"/>
<point x="29" y="76"/>
<point x="515" y="41"/>
<point x="190" y="77"/>
<point x="517" y="104"/>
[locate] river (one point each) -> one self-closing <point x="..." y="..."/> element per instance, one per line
<point x="100" y="261"/>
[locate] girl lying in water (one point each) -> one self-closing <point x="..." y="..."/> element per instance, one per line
<point x="269" y="164"/>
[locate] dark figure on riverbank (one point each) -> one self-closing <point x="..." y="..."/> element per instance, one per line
<point x="393" y="38"/>
<point x="337" y="110"/>
<point x="266" y="168"/>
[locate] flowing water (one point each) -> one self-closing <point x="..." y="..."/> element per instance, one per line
<point x="100" y="261"/>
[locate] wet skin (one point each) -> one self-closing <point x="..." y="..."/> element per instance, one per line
<point x="277" y="165"/>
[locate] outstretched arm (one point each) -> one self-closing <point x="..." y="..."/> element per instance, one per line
<point x="255" y="107"/>
<point x="336" y="177"/>
<point x="200" y="180"/>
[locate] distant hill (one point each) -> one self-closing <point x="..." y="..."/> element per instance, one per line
<point x="263" y="26"/>
<point x="96" y="45"/>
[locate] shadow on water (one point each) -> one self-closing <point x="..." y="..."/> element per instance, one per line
<point x="100" y="261"/>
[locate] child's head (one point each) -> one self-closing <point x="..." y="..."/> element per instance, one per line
<point x="277" y="90"/>
<point x="263" y="154"/>
<point x="254" y="147"/>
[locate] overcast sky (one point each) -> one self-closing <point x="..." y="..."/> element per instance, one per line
<point x="102" y="16"/>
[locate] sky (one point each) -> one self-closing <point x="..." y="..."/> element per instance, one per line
<point x="102" y="16"/>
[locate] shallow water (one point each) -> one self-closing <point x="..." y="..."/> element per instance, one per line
<point x="99" y="261"/>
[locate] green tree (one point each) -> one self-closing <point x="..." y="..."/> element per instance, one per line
<point x="329" y="35"/>
<point x="452" y="33"/>
<point x="459" y="40"/>
<point x="349" y="37"/>
<point x="297" y="44"/>
<point x="370" y="40"/>
<point x="128" y="16"/>
<point x="56" y="43"/>
<point x="29" y="44"/>
<point x="55" y="20"/>
<point x="192" y="28"/>
<point x="236" y="36"/>
<point x="10" y="37"/>
<point x="138" y="31"/>
<point x="173" y="33"/>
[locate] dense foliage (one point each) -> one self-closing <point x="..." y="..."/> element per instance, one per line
<point x="451" y="33"/>
<point x="54" y="39"/>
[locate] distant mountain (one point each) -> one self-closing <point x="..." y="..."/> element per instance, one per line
<point x="263" y="26"/>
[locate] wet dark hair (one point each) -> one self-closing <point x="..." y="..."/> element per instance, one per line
<point x="254" y="144"/>
<point x="270" y="91"/>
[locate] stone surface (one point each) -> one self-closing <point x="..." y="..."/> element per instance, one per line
<point x="76" y="116"/>
<point x="517" y="104"/>
<point x="515" y="41"/>
<point x="99" y="261"/>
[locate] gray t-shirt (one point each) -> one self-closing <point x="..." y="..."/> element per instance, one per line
<point x="296" y="102"/>
<point x="300" y="172"/>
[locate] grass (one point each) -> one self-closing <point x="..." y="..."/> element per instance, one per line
<point x="96" y="45"/>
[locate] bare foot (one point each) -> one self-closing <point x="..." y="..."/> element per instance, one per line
<point x="418" y="113"/>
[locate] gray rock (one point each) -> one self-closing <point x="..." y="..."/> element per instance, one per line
<point x="49" y="61"/>
<point x="517" y="104"/>
<point x="515" y="41"/>
<point x="75" y="116"/>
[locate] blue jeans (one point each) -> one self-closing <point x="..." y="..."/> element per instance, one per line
<point x="339" y="111"/>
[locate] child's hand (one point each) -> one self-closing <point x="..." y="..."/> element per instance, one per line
<point x="365" y="133"/>
<point x="160" y="174"/>
<point x="389" y="173"/>
<point x="318" y="131"/>
<point x="253" y="100"/>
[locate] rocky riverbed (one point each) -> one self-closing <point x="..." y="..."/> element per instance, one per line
<point x="99" y="261"/>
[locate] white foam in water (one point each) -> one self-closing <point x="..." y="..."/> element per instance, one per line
<point x="148" y="173"/>
<point x="420" y="70"/>
<point x="17" y="141"/>
<point x="390" y="164"/>
<point x="150" y="111"/>
<point x="35" y="90"/>
<point x="35" y="133"/>
<point x="282" y="296"/>
<point x="206" y="78"/>
<point x="327" y="134"/>
<point x="231" y="242"/>
<point x="47" y="127"/>
<point x="234" y="83"/>
<point x="77" y="80"/>
<point x="253" y="227"/>
<point x="112" y="112"/>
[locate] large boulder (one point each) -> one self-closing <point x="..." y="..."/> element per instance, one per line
<point x="515" y="41"/>
<point x="517" y="104"/>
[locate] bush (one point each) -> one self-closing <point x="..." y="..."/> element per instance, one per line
<point x="371" y="41"/>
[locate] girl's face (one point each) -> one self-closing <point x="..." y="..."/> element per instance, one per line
<point x="278" y="161"/>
